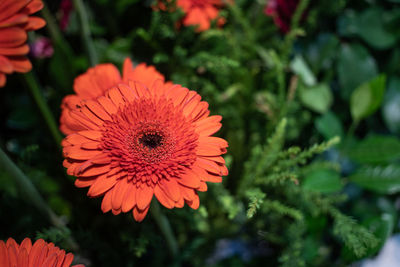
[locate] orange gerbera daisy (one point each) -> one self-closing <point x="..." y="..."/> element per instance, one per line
<point x="96" y="81"/>
<point x="139" y="142"/>
<point x="37" y="255"/>
<point x="14" y="23"/>
<point x="199" y="13"/>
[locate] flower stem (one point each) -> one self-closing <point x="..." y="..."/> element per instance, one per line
<point x="87" y="39"/>
<point x="34" y="88"/>
<point x="165" y="227"/>
<point x="58" y="39"/>
<point x="32" y="195"/>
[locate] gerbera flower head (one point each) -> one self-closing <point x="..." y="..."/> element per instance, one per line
<point x="36" y="255"/>
<point x="282" y="12"/>
<point x="198" y="13"/>
<point x="140" y="142"/>
<point x="97" y="80"/>
<point x="14" y="23"/>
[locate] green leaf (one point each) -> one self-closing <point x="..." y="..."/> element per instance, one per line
<point x="355" y="66"/>
<point x="367" y="98"/>
<point x="318" y="98"/>
<point x="384" y="180"/>
<point x="329" y="125"/>
<point x="370" y="25"/>
<point x="376" y="150"/>
<point x="322" y="53"/>
<point x="300" y="67"/>
<point x="323" y="181"/>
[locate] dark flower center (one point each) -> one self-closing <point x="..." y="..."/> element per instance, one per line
<point x="151" y="141"/>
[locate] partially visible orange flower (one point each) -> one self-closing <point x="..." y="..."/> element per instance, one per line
<point x="198" y="13"/>
<point x="138" y="142"/>
<point x="14" y="23"/>
<point x="96" y="81"/>
<point x="37" y="255"/>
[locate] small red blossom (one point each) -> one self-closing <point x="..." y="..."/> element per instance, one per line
<point x="66" y="8"/>
<point x="282" y="12"/>
<point x="198" y="13"/>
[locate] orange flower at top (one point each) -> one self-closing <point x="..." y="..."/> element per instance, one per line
<point x="14" y="23"/>
<point x="138" y="142"/>
<point x="198" y="13"/>
<point x="96" y="81"/>
<point x="37" y="255"/>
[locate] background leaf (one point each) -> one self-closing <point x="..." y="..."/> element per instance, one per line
<point x="384" y="180"/>
<point x="355" y="66"/>
<point x="323" y="181"/>
<point x="367" y="98"/>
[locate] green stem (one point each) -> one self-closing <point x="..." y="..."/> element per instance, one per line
<point x="31" y="194"/>
<point x="58" y="38"/>
<point x="87" y="39"/>
<point x="165" y="227"/>
<point x="34" y="88"/>
<point x="294" y="27"/>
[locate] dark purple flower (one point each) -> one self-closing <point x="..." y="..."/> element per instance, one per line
<point x="65" y="11"/>
<point x="42" y="48"/>
<point x="282" y="12"/>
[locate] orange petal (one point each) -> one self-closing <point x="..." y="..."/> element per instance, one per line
<point x="96" y="81"/>
<point x="206" y="149"/>
<point x="50" y="260"/>
<point x="102" y="185"/>
<point x="115" y="95"/>
<point x="97" y="109"/>
<point x="75" y="152"/>
<point x="3" y="79"/>
<point x="68" y="260"/>
<point x="107" y="104"/>
<point x="23" y="258"/>
<point x="195" y="203"/>
<point x="93" y="135"/>
<point x="208" y="165"/>
<point x="36" y="254"/>
<point x="12" y="253"/>
<point x="127" y="92"/>
<point x="198" y="17"/>
<point x="14" y="51"/>
<point x="3" y="254"/>
<point x="93" y="171"/>
<point x="8" y="8"/>
<point x="140" y="214"/>
<point x="106" y="203"/>
<point x="5" y="66"/>
<point x="171" y="188"/>
<point x="20" y="64"/>
<point x="14" y="20"/>
<point x="118" y="193"/>
<point x="33" y="7"/>
<point x="129" y="199"/>
<point x="27" y="244"/>
<point x="190" y="179"/>
<point x="34" y="23"/>
<point x="11" y="37"/>
<point x="163" y="198"/>
<point x="144" y="196"/>
<point x="80" y="183"/>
